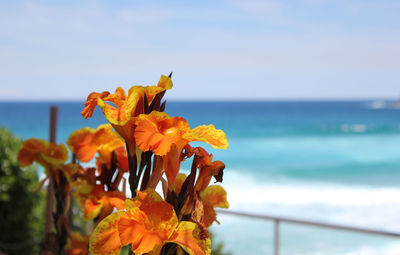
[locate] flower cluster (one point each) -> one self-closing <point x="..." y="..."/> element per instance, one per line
<point x="144" y="143"/>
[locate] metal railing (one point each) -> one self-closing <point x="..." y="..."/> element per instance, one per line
<point x="277" y="221"/>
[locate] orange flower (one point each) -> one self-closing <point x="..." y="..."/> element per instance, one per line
<point x="91" y="103"/>
<point x="206" y="172"/>
<point x="147" y="224"/>
<point x="207" y="167"/>
<point x="96" y="202"/>
<point x="77" y="245"/>
<point x="86" y="141"/>
<point x="49" y="155"/>
<point x="126" y="106"/>
<point x="213" y="196"/>
<point x="166" y="136"/>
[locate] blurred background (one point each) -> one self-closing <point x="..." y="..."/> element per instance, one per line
<point x="307" y="92"/>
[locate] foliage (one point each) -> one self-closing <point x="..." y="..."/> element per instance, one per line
<point x="21" y="209"/>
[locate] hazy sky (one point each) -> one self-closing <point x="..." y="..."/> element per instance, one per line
<point x="250" y="49"/>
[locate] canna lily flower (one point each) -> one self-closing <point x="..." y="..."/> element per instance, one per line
<point x="127" y="107"/>
<point x="211" y="197"/>
<point x="206" y="172"/>
<point x="147" y="225"/>
<point x="96" y="202"/>
<point x="86" y="142"/>
<point x="110" y="148"/>
<point x="166" y="137"/>
<point x="48" y="155"/>
<point x="207" y="167"/>
<point x="77" y="245"/>
<point x="91" y="103"/>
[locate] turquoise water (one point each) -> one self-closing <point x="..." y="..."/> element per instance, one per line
<point x="331" y="161"/>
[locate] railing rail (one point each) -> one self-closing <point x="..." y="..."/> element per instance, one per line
<point x="277" y="221"/>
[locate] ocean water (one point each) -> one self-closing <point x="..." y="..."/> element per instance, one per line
<point x="336" y="162"/>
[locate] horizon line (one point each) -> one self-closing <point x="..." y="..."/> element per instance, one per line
<point x="247" y="100"/>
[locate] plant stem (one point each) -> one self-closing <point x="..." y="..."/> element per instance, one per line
<point x="132" y="161"/>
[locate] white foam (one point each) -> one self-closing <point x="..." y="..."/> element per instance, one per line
<point x="362" y="206"/>
<point x="355" y="128"/>
<point x="244" y="189"/>
<point x="393" y="249"/>
<point x="379" y="104"/>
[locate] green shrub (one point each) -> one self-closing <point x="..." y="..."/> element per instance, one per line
<point x="21" y="210"/>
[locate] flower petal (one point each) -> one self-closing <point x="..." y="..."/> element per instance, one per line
<point x="131" y="227"/>
<point x="85" y="142"/>
<point x="117" y="201"/>
<point x="56" y="155"/>
<point x="187" y="235"/>
<point x="125" y="109"/>
<point x="151" y="203"/>
<point x="44" y="153"/>
<point x="209" y="134"/>
<point x="30" y="149"/>
<point x="206" y="172"/>
<point x="91" y="209"/>
<point x="165" y="82"/>
<point x="105" y="237"/>
<point x="149" y="136"/>
<point x="148" y="243"/>
<point x="213" y="196"/>
<point x="80" y="142"/>
<point x="91" y="103"/>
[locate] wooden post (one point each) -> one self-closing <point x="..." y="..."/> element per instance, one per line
<point x="50" y="191"/>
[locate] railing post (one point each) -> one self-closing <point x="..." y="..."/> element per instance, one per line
<point x="276" y="237"/>
<point x="50" y="191"/>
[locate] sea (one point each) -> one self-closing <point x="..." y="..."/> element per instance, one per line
<point x="328" y="161"/>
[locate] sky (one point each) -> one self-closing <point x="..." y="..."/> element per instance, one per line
<point x="217" y="50"/>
